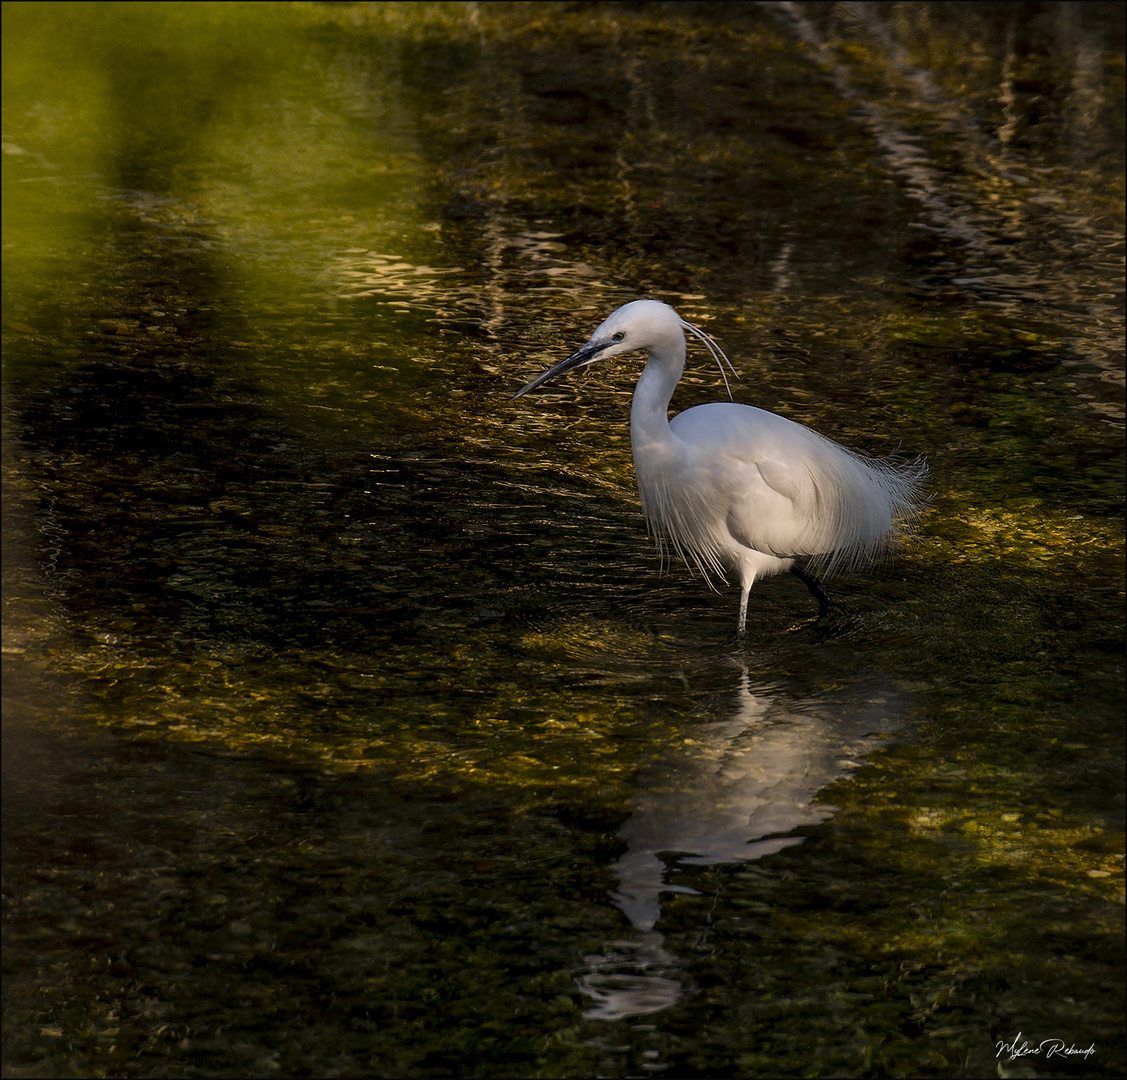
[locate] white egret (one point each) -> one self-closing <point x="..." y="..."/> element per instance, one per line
<point x="733" y="487"/>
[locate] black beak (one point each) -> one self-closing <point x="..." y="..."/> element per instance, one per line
<point x="587" y="355"/>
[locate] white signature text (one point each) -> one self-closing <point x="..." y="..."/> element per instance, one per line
<point x="1020" y="1047"/>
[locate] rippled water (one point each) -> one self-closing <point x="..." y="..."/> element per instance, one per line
<point x="352" y="725"/>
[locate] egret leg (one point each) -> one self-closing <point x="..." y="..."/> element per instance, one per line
<point x="817" y="589"/>
<point x="741" y="618"/>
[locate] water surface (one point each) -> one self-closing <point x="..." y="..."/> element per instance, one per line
<point x="352" y="726"/>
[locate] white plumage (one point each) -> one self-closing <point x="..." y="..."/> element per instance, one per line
<point x="733" y="487"/>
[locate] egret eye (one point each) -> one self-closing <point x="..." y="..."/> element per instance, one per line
<point x="619" y="336"/>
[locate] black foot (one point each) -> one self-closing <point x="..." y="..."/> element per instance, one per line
<point x="817" y="590"/>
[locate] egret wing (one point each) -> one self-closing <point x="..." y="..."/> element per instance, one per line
<point x="783" y="489"/>
<point x="773" y="507"/>
<point x="757" y="465"/>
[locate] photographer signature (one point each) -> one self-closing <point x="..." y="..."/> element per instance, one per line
<point x="1051" y="1048"/>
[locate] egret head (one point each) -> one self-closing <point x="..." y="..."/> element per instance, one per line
<point x="641" y="324"/>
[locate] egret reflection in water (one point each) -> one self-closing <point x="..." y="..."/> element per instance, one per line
<point x="737" y="793"/>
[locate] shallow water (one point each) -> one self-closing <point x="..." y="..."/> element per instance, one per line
<point x="351" y="725"/>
